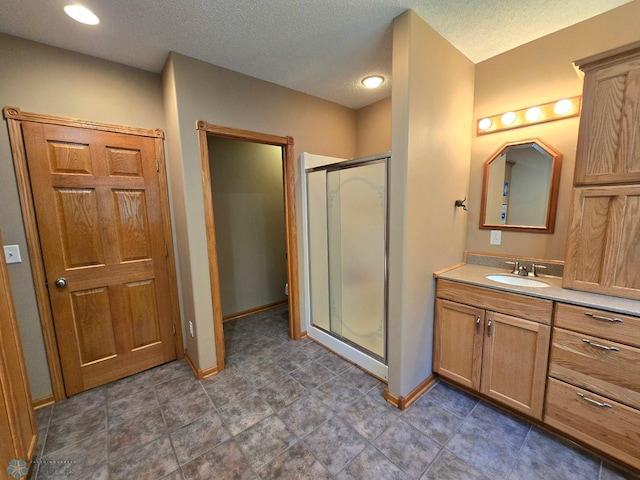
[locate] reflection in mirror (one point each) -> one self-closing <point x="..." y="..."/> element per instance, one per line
<point x="520" y="188"/>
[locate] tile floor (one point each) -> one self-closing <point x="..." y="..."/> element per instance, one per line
<point x="289" y="410"/>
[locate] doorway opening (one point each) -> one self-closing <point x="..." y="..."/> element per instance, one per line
<point x="222" y="209"/>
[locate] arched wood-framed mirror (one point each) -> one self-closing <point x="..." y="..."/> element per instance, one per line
<point x="520" y="187"/>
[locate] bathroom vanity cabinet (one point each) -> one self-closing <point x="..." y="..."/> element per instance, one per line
<point x="495" y="339"/>
<point x="603" y="242"/>
<point x="594" y="380"/>
<point x="493" y="342"/>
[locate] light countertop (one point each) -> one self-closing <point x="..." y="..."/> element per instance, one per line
<point x="476" y="275"/>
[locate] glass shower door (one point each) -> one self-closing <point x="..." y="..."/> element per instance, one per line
<point x="356" y="223"/>
<point x="346" y="252"/>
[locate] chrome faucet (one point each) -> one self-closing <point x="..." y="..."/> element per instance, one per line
<point x="522" y="270"/>
<point x="516" y="267"/>
<point x="534" y="268"/>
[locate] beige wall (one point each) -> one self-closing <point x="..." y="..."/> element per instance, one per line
<point x="42" y="79"/>
<point x="248" y="202"/>
<point x="195" y="90"/>
<point x="432" y="104"/>
<point x="539" y="72"/>
<point x="373" y="124"/>
<point x="432" y="94"/>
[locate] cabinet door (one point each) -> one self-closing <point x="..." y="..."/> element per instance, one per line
<point x="457" y="350"/>
<point x="515" y="362"/>
<point x="603" y="243"/>
<point x="609" y="139"/>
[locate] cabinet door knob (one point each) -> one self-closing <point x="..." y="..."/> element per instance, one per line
<point x="478" y="324"/>
<point x="489" y="328"/>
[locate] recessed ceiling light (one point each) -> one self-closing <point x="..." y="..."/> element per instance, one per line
<point x="81" y="14"/>
<point x="373" y="81"/>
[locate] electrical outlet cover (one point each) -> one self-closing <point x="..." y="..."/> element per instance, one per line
<point x="496" y="237"/>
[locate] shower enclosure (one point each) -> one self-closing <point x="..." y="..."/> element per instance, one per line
<point x="345" y="246"/>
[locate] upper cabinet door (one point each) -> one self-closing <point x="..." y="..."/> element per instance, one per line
<point x="603" y="243"/>
<point x="609" y="139"/>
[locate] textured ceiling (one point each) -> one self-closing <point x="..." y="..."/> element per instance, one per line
<point x="320" y="47"/>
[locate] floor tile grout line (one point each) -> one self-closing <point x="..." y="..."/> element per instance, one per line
<point x="108" y="437"/>
<point x="74" y="443"/>
<point x="433" y="462"/>
<point x="169" y="431"/>
<point x="464" y="419"/>
<point x="520" y="450"/>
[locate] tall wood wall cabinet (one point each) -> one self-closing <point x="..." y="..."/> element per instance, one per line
<point x="603" y="242"/>
<point x="17" y="423"/>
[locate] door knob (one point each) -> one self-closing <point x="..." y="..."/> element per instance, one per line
<point x="61" y="282"/>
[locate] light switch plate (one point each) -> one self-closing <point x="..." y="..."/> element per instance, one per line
<point x="496" y="237"/>
<point x="12" y="254"/>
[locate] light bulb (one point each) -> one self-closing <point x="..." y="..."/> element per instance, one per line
<point x="81" y="14"/>
<point x="485" y="124"/>
<point x="563" y="107"/>
<point x="508" y="118"/>
<point x="533" y="114"/>
<point x="373" y="81"/>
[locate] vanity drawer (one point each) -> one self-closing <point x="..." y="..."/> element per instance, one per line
<point x="605" y="367"/>
<point x="623" y="328"/>
<point x="607" y="425"/>
<point x="523" y="306"/>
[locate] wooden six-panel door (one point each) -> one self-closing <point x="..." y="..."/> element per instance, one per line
<point x="100" y="219"/>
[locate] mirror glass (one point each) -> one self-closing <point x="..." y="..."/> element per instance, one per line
<point x="520" y="188"/>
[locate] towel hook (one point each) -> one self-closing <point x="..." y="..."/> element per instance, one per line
<point x="460" y="203"/>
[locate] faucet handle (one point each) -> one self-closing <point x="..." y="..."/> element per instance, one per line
<point x="516" y="266"/>
<point x="534" y="268"/>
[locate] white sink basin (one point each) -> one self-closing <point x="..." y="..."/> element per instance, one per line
<point x="517" y="280"/>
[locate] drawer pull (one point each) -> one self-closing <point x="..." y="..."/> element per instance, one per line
<point x="604" y="319"/>
<point x="590" y="400"/>
<point x="478" y="324"/>
<point x="603" y="347"/>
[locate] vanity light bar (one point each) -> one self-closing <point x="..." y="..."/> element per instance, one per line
<point x="547" y="112"/>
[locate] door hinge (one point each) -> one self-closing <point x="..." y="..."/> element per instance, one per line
<point x="157" y="165"/>
<point x="173" y="326"/>
<point x="166" y="251"/>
